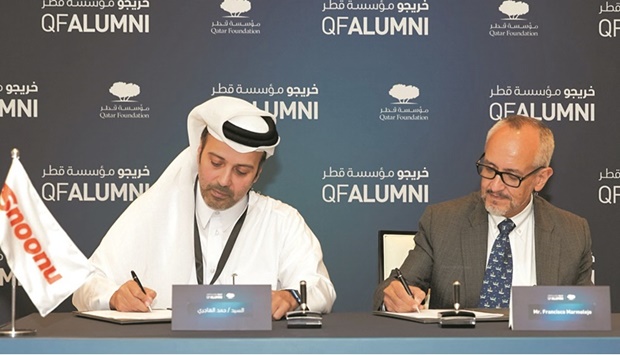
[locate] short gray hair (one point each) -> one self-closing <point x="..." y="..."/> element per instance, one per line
<point x="545" y="136"/>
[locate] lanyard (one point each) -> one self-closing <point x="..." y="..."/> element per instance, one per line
<point x="227" y="248"/>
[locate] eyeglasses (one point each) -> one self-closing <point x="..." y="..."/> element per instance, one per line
<point x="509" y="179"/>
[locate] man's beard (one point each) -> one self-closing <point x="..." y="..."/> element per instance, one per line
<point x="495" y="210"/>
<point x="218" y="203"/>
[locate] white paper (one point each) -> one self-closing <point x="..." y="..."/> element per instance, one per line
<point x="435" y="314"/>
<point x="156" y="314"/>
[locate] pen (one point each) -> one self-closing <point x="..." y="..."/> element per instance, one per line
<point x="402" y="280"/>
<point x="137" y="280"/>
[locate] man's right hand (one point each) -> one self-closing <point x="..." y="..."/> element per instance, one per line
<point x="130" y="298"/>
<point x="396" y="299"/>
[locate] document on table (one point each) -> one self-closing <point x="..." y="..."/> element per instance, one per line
<point x="433" y="315"/>
<point x="156" y="316"/>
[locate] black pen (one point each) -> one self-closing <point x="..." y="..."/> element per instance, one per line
<point x="137" y="280"/>
<point x="402" y="280"/>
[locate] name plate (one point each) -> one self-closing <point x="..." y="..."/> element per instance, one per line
<point x="560" y="308"/>
<point x="221" y="307"/>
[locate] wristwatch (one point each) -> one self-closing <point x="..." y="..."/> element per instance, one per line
<point x="295" y="294"/>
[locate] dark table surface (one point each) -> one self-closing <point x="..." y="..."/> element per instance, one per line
<point x="340" y="333"/>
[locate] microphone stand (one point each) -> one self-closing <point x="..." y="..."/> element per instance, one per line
<point x="304" y="318"/>
<point x="457" y="318"/>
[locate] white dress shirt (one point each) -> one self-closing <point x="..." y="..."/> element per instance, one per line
<point x="215" y="228"/>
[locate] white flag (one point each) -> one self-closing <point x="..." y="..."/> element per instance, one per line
<point x="39" y="252"/>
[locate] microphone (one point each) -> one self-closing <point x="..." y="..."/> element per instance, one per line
<point x="457" y="295"/>
<point x="457" y="318"/>
<point x="304" y="318"/>
<point x="302" y="291"/>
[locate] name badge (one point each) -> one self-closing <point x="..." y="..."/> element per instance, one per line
<point x="560" y="308"/>
<point x="221" y="307"/>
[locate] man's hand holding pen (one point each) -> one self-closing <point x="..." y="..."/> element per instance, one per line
<point x="398" y="296"/>
<point x="130" y="298"/>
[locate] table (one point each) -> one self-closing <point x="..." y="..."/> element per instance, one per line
<point x="341" y="333"/>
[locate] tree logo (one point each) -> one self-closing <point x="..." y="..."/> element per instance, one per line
<point x="236" y="7"/>
<point x="403" y="93"/>
<point x="124" y="91"/>
<point x="514" y="9"/>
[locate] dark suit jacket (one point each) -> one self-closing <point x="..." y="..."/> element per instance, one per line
<point x="451" y="244"/>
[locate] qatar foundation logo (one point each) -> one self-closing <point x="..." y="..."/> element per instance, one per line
<point x="514" y="25"/>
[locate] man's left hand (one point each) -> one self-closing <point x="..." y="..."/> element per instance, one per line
<point x="281" y="302"/>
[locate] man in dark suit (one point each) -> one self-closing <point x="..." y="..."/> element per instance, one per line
<point x="455" y="240"/>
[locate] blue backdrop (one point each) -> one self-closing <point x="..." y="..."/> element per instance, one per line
<point x="382" y="106"/>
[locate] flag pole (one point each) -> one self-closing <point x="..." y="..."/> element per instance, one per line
<point x="15" y="332"/>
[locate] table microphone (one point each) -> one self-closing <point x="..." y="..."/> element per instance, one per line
<point x="457" y="295"/>
<point x="302" y="291"/>
<point x="457" y="318"/>
<point x="304" y="318"/>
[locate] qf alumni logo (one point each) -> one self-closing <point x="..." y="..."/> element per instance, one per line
<point x="16" y="100"/>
